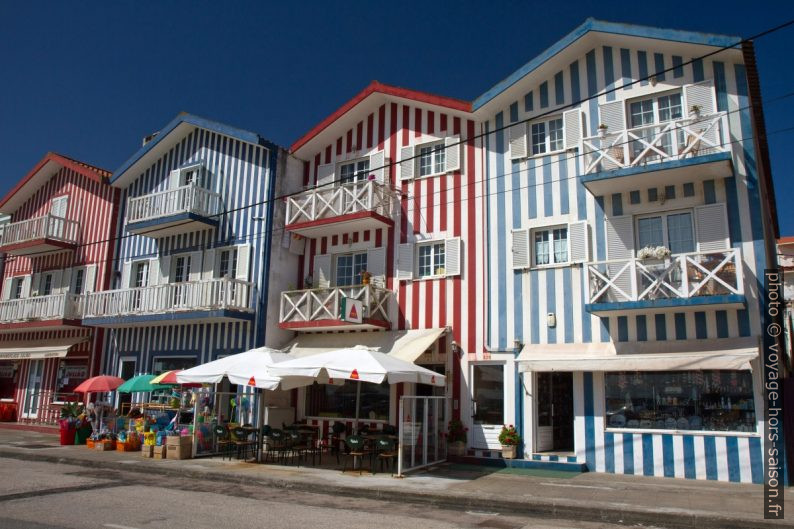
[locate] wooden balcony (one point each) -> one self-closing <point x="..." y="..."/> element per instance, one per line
<point x="40" y="234"/>
<point x="40" y="312"/>
<point x="682" y="150"/>
<point x="685" y="280"/>
<point x="350" y="207"/>
<point x="181" y="210"/>
<point x="213" y="300"/>
<point x="319" y="309"/>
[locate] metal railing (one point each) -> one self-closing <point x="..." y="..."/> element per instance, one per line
<point x="44" y="227"/>
<point x="328" y="202"/>
<point x="672" y="140"/>
<point x="53" y="307"/>
<point x="680" y="276"/>
<point x="326" y="303"/>
<point x="223" y="293"/>
<point x="185" y="199"/>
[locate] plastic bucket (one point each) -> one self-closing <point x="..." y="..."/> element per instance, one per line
<point x="67" y="433"/>
<point x="81" y="434"/>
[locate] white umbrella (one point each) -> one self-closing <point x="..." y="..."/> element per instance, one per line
<point x="248" y="368"/>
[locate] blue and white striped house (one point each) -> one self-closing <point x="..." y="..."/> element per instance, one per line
<point x="624" y="248"/>
<point x="196" y="249"/>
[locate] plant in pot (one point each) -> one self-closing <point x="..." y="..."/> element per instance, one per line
<point x="456" y="438"/>
<point x="602" y="130"/>
<point x="509" y="439"/>
<point x="69" y="422"/>
<point x="366" y="277"/>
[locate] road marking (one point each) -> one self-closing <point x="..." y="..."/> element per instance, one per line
<point x="577" y="486"/>
<point x="482" y="513"/>
<point x="114" y="526"/>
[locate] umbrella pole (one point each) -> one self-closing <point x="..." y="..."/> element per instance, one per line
<point x="261" y="421"/>
<point x="358" y="403"/>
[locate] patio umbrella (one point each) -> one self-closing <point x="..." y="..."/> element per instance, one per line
<point x="140" y="384"/>
<point x="99" y="384"/>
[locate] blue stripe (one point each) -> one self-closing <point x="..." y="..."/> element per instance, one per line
<point x="710" y="453"/>
<point x="604" y="329"/>
<point x="609" y="72"/>
<point x="592" y="89"/>
<point x="709" y="194"/>
<point x="559" y="89"/>
<point x="697" y="70"/>
<point x="700" y="325"/>
<point x="647" y="454"/>
<point x="600" y="229"/>
<point x="732" y="205"/>
<point x="551" y="303"/>
<point x="743" y="317"/>
<point x="680" y="326"/>
<point x="488" y="220"/>
<point x="722" y="323"/>
<point x="678" y="69"/>
<point x="518" y="275"/>
<point x="609" y="452"/>
<point x="625" y="67"/>
<point x="617" y="204"/>
<point x="634" y="197"/>
<point x="544" y="94"/>
<point x="589" y="421"/>
<point x="585" y="317"/>
<point x="642" y="328"/>
<point x="667" y="456"/>
<point x="534" y="299"/>
<point x="532" y="190"/>
<point x="501" y="230"/>
<point x="661" y="327"/>
<point x="528" y="103"/>
<point x="732" y="447"/>
<point x="548" y="194"/>
<point x="514" y="112"/>
<point x="628" y="453"/>
<point x="720" y="86"/>
<point x="562" y="164"/>
<point x="642" y="65"/>
<point x="566" y="288"/>
<point x="690" y="468"/>
<point x="576" y="95"/>
<point x="659" y="63"/>
<point x="756" y="460"/>
<point x="623" y="328"/>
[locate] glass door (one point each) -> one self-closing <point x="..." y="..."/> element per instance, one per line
<point x="487" y="381"/>
<point x="33" y="389"/>
<point x="554" y="412"/>
<point x="126" y="371"/>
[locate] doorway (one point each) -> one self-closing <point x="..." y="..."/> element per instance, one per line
<point x="126" y="372"/>
<point x="33" y="389"/>
<point x="554" y="412"/>
<point x="487" y="381"/>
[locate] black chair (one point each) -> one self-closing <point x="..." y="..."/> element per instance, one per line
<point x="222" y="440"/>
<point x="389" y="429"/>
<point x="356" y="448"/>
<point x="242" y="442"/>
<point x="386" y="450"/>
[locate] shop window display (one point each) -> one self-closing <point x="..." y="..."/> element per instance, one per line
<point x="325" y="400"/>
<point x="681" y="400"/>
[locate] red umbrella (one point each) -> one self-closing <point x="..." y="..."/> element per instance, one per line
<point x="99" y="384"/>
<point x="169" y="378"/>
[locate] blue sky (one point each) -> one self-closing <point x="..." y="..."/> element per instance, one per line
<point x="90" y="79"/>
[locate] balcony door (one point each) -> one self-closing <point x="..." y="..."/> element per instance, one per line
<point x="30" y="410"/>
<point x="349" y="268"/>
<point x="656" y="111"/>
<point x="180" y="276"/>
<point x="58" y="207"/>
<point x="487" y="386"/>
<point x="675" y="231"/>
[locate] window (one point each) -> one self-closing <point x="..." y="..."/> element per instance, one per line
<point x="681" y="400"/>
<point x="657" y="110"/>
<point x="488" y="393"/>
<point x="432" y="259"/>
<point x="547" y="136"/>
<point x="79" y="281"/>
<point x="16" y="287"/>
<point x="432" y="159"/>
<point x="181" y="269"/>
<point x="141" y="275"/>
<point x="227" y="266"/>
<point x="163" y="364"/>
<point x="46" y="288"/>
<point x="349" y="268"/>
<point x="550" y="246"/>
<point x="327" y="400"/>
<point x="674" y="231"/>
<point x="353" y="171"/>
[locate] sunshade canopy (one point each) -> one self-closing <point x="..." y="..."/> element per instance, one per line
<point x="99" y="384"/>
<point x="40" y="349"/>
<point x="140" y="384"/>
<point x="406" y="345"/>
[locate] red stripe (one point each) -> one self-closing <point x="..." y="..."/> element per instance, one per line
<point x="359" y="134"/>
<point x="355" y="236"/>
<point x="443" y="125"/>
<point x="417" y="122"/>
<point x="339" y="146"/>
<point x="316" y="165"/>
<point x="456" y="286"/>
<point x="370" y="122"/>
<point x="334" y="240"/>
<point x="382" y="124"/>
<point x="417" y="205"/>
<point x="430" y="210"/>
<point x="367" y="235"/>
<point x="471" y="250"/>
<point x="431" y="122"/>
<point x="428" y="292"/>
<point x="306" y="173"/>
<point x="327" y="155"/>
<point x="442" y="302"/>
<point x="324" y="244"/>
<point x="414" y="323"/>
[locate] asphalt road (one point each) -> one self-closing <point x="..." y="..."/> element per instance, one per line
<point x="48" y="496"/>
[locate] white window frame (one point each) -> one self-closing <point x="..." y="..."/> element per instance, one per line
<point x="73" y="280"/>
<point x="418" y="160"/>
<point x="358" y="175"/>
<point x="665" y="234"/>
<point x="17" y="285"/>
<point x="334" y="263"/>
<point x="137" y="265"/>
<point x="196" y="167"/>
<point x="654" y="97"/>
<point x="417" y="251"/>
<point x="232" y="271"/>
<point x="172" y="272"/>
<point x="547" y="144"/>
<point x="552" y="261"/>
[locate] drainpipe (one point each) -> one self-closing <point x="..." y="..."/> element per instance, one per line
<point x="519" y="397"/>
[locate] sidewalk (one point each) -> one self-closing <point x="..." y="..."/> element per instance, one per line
<point x="590" y="496"/>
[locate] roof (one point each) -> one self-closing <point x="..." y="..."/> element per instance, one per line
<point x="164" y="139"/>
<point x="593" y="25"/>
<point x="786" y="240"/>
<point x="50" y="164"/>
<point x="377" y="87"/>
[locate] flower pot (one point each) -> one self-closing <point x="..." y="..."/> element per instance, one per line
<point x="508" y="451"/>
<point x="68" y="432"/>
<point x="82" y="434"/>
<point x="457" y="449"/>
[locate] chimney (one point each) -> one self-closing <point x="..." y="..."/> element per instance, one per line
<point x="150" y="137"/>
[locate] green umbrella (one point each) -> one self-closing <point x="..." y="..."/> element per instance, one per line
<point x="141" y="383"/>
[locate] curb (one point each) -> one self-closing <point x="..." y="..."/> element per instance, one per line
<point x="566" y="510"/>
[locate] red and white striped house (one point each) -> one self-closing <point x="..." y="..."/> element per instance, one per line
<point x="57" y="246"/>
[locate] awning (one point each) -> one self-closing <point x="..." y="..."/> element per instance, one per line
<point x="405" y="345"/>
<point x="41" y="349"/>
<point x="681" y="355"/>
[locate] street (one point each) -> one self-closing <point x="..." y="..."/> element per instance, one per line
<point x="49" y="496"/>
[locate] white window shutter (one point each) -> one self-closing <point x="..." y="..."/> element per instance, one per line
<point x="520" y="249"/>
<point x="452" y="150"/>
<point x="126" y="275"/>
<point x="66" y="281"/>
<point x="26" y="286"/>
<point x="701" y="94"/>
<point x="377" y="166"/>
<point x="325" y="174"/>
<point x="209" y="265"/>
<point x="173" y="179"/>
<point x="407" y="163"/>
<point x="572" y="120"/>
<point x="620" y="246"/>
<point x="7" y="287"/>
<point x="712" y="227"/>
<point x="376" y="265"/>
<point x="322" y="271"/>
<point x="613" y="115"/>
<point x="243" y="258"/>
<point x="34" y="284"/>
<point x="405" y="261"/>
<point x="165" y="270"/>
<point x="578" y="242"/>
<point x="452" y="256"/>
<point x="90" y="279"/>
<point x="195" y="266"/>
<point x="154" y="272"/>
<point x="518" y="141"/>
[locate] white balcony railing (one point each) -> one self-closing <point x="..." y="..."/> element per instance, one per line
<point x="681" y="276"/>
<point x="328" y="202"/>
<point x="318" y="304"/>
<point x="185" y="199"/>
<point x="669" y="141"/>
<point x="211" y="294"/>
<point x="53" y="307"/>
<point x="45" y="227"/>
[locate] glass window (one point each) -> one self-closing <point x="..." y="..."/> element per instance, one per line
<point x="354" y="171"/>
<point x="349" y="268"/>
<point x="432" y="159"/>
<point x="325" y="400"/>
<point x="555" y="135"/>
<point x="16" y="288"/>
<point x="547" y="136"/>
<point x="227" y="267"/>
<point x="432" y="260"/>
<point x="141" y="274"/>
<point x="163" y="364"/>
<point x="561" y="245"/>
<point x="542" y="256"/>
<point x="79" y="280"/>
<point x="681" y="400"/>
<point x="650" y="232"/>
<point x="488" y="393"/>
<point x="551" y="246"/>
<point x="674" y="231"/>
<point x="680" y="233"/>
<point x="538" y="138"/>
<point x="46" y="288"/>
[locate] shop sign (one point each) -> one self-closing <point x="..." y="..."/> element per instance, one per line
<point x="6" y="371"/>
<point x="352" y="310"/>
<point x="79" y="372"/>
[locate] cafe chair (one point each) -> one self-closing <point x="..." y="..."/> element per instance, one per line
<point x="222" y="440"/>
<point x="386" y="451"/>
<point x="389" y="429"/>
<point x="356" y="449"/>
<point x="242" y="442"/>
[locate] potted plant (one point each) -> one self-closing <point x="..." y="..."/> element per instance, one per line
<point x="653" y="252"/>
<point x="366" y="277"/>
<point x="456" y="438"/>
<point x="602" y="130"/>
<point x="509" y="440"/>
<point x="694" y="111"/>
<point x="69" y="421"/>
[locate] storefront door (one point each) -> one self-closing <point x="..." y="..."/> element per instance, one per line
<point x="554" y="412"/>
<point x="126" y="371"/>
<point x="33" y="389"/>
<point x="487" y="381"/>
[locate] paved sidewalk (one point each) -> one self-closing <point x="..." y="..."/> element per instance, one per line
<point x="670" y="503"/>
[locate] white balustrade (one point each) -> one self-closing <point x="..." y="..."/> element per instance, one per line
<point x="334" y="201"/>
<point x="326" y="303"/>
<point x="682" y="276"/>
<point x="45" y="227"/>
<point x="211" y="294"/>
<point x="672" y="140"/>
<point x="185" y="199"/>
<point x="38" y="308"/>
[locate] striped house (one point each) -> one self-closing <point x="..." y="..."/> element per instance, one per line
<point x="388" y="218"/>
<point x="625" y="246"/>
<point x="57" y="247"/>
<point x="196" y="249"/>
